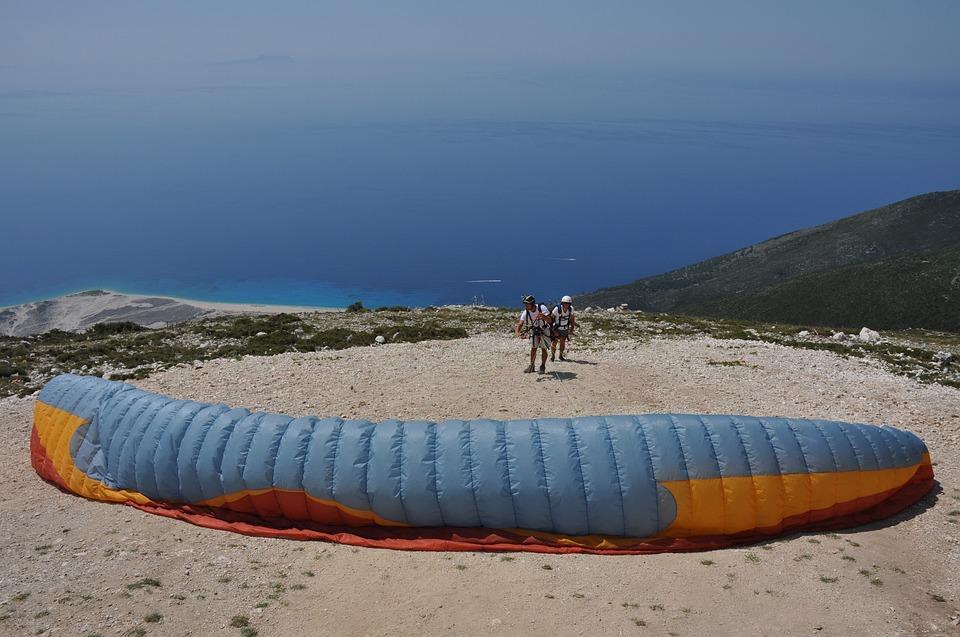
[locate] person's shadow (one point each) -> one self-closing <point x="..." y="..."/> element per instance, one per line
<point x="571" y="360"/>
<point x="556" y="375"/>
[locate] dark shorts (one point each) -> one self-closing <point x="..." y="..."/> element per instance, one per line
<point x="561" y="333"/>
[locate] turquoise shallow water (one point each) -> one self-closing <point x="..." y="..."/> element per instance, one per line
<point x="269" y="292"/>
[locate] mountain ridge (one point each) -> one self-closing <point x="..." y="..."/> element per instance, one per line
<point x="743" y="283"/>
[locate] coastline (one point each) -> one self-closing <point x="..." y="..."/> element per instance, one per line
<point x="221" y="306"/>
<point x="82" y="310"/>
<point x="238" y="308"/>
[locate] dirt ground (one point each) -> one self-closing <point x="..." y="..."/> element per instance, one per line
<point x="74" y="567"/>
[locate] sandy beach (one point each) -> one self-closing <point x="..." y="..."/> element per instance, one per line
<point x="90" y="568"/>
<point x="246" y="308"/>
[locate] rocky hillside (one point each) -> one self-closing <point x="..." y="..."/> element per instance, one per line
<point x="893" y="267"/>
<point x="125" y="351"/>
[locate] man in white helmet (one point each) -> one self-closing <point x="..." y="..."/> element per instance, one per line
<point x="564" y="323"/>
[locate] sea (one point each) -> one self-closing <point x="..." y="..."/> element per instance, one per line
<point x="319" y="185"/>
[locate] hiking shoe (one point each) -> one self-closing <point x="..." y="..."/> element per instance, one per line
<point x="562" y="358"/>
<point x="543" y="369"/>
<point x="528" y="369"/>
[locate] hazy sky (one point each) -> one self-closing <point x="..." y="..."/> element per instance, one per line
<point x="879" y="39"/>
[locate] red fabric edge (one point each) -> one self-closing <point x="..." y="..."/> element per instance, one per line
<point x="477" y="539"/>
<point x="42" y="463"/>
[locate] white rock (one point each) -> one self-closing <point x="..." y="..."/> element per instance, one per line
<point x="611" y="309"/>
<point x="803" y="333"/>
<point x="839" y="336"/>
<point x="380" y="340"/>
<point x="261" y="333"/>
<point x="869" y="336"/>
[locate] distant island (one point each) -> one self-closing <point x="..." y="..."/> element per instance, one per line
<point x="894" y="267"/>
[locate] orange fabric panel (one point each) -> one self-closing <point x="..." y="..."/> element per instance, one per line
<point x="54" y="428"/>
<point x="742" y="503"/>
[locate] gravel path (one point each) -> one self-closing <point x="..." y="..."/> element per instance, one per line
<point x="74" y="567"/>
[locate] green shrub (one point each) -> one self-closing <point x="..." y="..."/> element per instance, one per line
<point x="247" y="326"/>
<point x="120" y="327"/>
<point x="337" y="338"/>
<point x="271" y="343"/>
<point x="356" y="306"/>
<point x="57" y="336"/>
<point x="427" y="331"/>
<point x="239" y="621"/>
<point x="134" y="375"/>
<point x="85" y="354"/>
<point x="9" y="371"/>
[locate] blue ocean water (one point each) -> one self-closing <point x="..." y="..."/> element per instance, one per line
<point x="314" y="186"/>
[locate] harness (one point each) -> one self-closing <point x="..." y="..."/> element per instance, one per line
<point x="563" y="320"/>
<point x="534" y="327"/>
